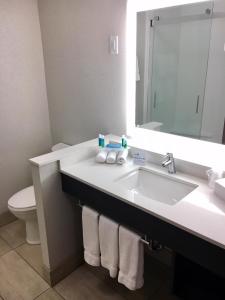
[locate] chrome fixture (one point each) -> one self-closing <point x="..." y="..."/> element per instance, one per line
<point x="154" y="20"/>
<point x="169" y="161"/>
<point x="208" y="11"/>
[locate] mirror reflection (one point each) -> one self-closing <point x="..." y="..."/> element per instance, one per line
<point x="181" y="69"/>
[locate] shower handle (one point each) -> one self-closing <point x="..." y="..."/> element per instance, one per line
<point x="197" y="104"/>
<point x="154" y="100"/>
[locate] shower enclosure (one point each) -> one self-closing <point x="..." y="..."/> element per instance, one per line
<point x="178" y="68"/>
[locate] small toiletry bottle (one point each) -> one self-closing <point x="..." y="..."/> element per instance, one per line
<point x="124" y="141"/>
<point x="99" y="140"/>
<point x="103" y="141"/>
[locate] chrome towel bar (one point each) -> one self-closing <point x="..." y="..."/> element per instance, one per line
<point x="143" y="240"/>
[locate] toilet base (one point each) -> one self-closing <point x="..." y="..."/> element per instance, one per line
<point x="32" y="232"/>
<point x="33" y="242"/>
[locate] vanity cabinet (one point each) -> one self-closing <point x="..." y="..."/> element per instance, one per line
<point x="199" y="265"/>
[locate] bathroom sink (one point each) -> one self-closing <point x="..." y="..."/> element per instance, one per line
<point x="156" y="186"/>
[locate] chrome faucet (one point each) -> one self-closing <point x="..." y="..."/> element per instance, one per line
<point x="169" y="161"/>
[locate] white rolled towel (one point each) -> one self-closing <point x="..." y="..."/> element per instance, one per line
<point x="101" y="156"/>
<point x="122" y="156"/>
<point x="131" y="262"/>
<point x="111" y="157"/>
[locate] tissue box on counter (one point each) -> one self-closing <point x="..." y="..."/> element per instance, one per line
<point x="219" y="188"/>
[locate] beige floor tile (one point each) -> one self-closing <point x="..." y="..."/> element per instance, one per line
<point x="82" y="284"/>
<point x="4" y="247"/>
<point x="14" y="233"/>
<point x="18" y="280"/>
<point x="32" y="255"/>
<point x="50" y="294"/>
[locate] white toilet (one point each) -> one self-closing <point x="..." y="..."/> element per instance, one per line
<point x="23" y="206"/>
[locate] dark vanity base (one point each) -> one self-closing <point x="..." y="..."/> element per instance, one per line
<point x="193" y="282"/>
<point x="187" y="246"/>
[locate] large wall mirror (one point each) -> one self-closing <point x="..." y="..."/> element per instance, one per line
<point x="180" y="70"/>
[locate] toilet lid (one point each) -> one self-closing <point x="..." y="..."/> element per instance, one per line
<point x="23" y="199"/>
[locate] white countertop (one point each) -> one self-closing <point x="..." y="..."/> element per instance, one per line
<point x="201" y="212"/>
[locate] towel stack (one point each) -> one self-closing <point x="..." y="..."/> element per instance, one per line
<point x="112" y="156"/>
<point x="114" y="247"/>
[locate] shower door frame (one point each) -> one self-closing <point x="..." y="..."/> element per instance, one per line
<point x="149" y="55"/>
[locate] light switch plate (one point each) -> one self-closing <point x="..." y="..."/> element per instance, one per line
<point x="114" y="44"/>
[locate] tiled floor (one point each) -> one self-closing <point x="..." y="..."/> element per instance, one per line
<point x="21" y="276"/>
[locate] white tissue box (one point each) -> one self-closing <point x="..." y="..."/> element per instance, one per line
<point x="219" y="188"/>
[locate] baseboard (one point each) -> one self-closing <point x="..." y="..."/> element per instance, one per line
<point x="62" y="271"/>
<point x="6" y="218"/>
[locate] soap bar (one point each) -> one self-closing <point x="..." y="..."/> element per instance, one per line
<point x="219" y="188"/>
<point x="114" y="146"/>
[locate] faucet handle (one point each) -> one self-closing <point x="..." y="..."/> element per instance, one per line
<point x="168" y="156"/>
<point x="166" y="159"/>
<point x="169" y="161"/>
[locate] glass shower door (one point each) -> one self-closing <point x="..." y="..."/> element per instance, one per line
<point x="179" y="70"/>
<point x="164" y="75"/>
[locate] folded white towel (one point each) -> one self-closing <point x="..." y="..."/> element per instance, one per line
<point x="101" y="156"/>
<point x="131" y="253"/>
<point x="111" y="157"/>
<point x="109" y="245"/>
<point x="122" y="156"/>
<point x="90" y="220"/>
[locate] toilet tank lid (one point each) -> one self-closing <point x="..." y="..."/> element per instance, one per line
<point x="59" y="146"/>
<point x="23" y="199"/>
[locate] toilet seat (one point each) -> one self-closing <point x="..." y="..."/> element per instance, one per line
<point x="24" y="200"/>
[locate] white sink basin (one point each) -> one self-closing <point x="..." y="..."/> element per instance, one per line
<point x="156" y="186"/>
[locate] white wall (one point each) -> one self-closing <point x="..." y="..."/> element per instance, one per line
<point x="85" y="84"/>
<point x="24" y="123"/>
